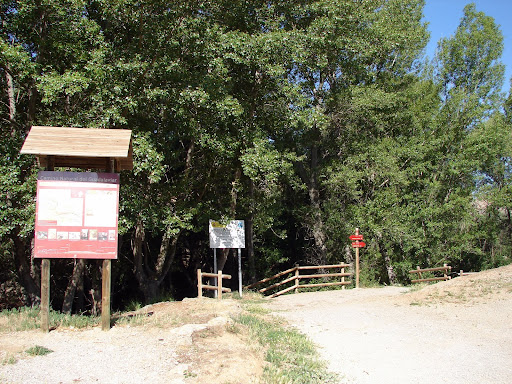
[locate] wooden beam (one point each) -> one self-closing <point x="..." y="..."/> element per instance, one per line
<point x="45" y="295"/>
<point x="199" y="283"/>
<point x="324" y="266"/>
<point x="418" y="270"/>
<point x="271" y="278"/>
<point x="45" y="276"/>
<point x="106" y="278"/>
<point x="430" y="279"/>
<point x="324" y="284"/>
<point x="324" y="275"/>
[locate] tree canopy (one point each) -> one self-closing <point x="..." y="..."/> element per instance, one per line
<point x="305" y="118"/>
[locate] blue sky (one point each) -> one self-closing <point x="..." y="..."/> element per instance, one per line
<point x="444" y="16"/>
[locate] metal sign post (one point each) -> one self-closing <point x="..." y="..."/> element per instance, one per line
<point x="240" y="272"/>
<point x="229" y="235"/>
<point x="215" y="269"/>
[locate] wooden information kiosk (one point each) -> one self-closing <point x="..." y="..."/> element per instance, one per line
<point x="78" y="232"/>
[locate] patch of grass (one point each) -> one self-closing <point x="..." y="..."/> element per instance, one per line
<point x="38" y="351"/>
<point x="133" y="305"/>
<point x="256" y="309"/>
<point x="292" y="357"/>
<point x="58" y="319"/>
<point x="19" y="319"/>
<point x="233" y="328"/>
<point x="133" y="320"/>
<point x="28" y="318"/>
<point x="9" y="360"/>
<point x="189" y="374"/>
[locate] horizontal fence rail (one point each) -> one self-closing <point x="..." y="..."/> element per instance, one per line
<point x="445" y="268"/>
<point x="218" y="276"/>
<point x="296" y="278"/>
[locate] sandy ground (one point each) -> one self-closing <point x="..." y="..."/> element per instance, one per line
<point x="459" y="331"/>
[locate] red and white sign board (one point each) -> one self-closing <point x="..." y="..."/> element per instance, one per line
<point x="76" y="215"/>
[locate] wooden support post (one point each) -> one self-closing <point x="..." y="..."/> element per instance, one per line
<point x="199" y="283"/>
<point x="219" y="284"/>
<point x="357" y="262"/>
<point x="445" y="271"/>
<point x="419" y="273"/>
<point x="45" y="295"/>
<point x="106" y="280"/>
<point x="297" y="280"/>
<point x="45" y="274"/>
<point x="343" y="278"/>
<point x="106" y="273"/>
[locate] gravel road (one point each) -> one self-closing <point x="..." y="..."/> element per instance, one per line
<point x="459" y="331"/>
<point x="386" y="335"/>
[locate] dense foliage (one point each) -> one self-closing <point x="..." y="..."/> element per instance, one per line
<point x="305" y="118"/>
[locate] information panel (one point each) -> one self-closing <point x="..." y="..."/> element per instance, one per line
<point x="230" y="235"/>
<point x="76" y="215"/>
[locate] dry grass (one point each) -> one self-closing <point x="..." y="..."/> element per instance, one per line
<point x="480" y="287"/>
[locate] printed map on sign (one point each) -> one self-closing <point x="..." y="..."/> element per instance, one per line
<point x="76" y="215"/>
<point x="60" y="207"/>
<point x="230" y="235"/>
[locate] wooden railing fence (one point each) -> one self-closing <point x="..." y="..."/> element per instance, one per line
<point x="295" y="277"/>
<point x="219" y="289"/>
<point x="445" y="268"/>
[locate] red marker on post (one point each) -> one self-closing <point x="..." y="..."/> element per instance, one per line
<point x="357" y="243"/>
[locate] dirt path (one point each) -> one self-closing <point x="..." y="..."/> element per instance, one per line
<point x="452" y="332"/>
<point x="181" y="343"/>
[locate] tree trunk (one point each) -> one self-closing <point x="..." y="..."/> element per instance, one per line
<point x="10" y="95"/>
<point x="96" y="277"/>
<point x="314" y="197"/>
<point x="32" y="290"/>
<point x="250" y="237"/>
<point x="391" y="272"/>
<point x="75" y="282"/>
<point x="150" y="282"/>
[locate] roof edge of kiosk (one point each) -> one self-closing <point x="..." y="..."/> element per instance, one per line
<point x="80" y="147"/>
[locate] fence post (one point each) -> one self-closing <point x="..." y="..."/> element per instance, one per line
<point x="199" y="283"/>
<point x="297" y="278"/>
<point x="419" y="273"/>
<point x="219" y="284"/>
<point x="445" y="271"/>
<point x="343" y="278"/>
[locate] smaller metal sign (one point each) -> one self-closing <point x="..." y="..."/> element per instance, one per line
<point x="229" y="235"/>
<point x="356" y="237"/>
<point x="359" y="244"/>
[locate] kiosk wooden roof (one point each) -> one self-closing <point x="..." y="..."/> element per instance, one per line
<point x="86" y="148"/>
